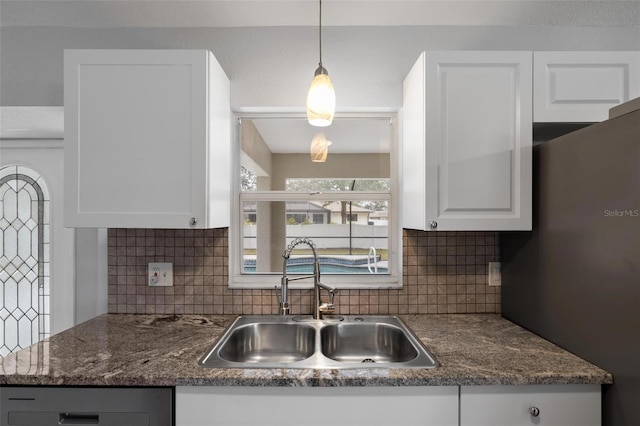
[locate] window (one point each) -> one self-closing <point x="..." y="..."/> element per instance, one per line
<point x="345" y="205"/>
<point x="24" y="259"/>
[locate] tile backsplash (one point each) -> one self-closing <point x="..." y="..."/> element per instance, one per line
<point x="443" y="272"/>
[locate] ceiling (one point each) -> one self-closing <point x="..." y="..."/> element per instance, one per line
<point x="269" y="13"/>
<point x="347" y="135"/>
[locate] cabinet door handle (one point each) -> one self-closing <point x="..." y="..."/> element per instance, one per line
<point x="193" y="221"/>
<point x="78" y="419"/>
<point x="433" y="224"/>
<point x="534" y="411"/>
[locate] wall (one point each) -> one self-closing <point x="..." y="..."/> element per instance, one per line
<point x="91" y="273"/>
<point x="444" y="272"/>
<point x="337" y="166"/>
<point x="256" y="155"/>
<point x="273" y="67"/>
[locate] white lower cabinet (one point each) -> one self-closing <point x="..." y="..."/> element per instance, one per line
<point x="542" y="405"/>
<point x="524" y="405"/>
<point x="317" y="406"/>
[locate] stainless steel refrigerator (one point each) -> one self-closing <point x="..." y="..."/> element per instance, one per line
<point x="575" y="279"/>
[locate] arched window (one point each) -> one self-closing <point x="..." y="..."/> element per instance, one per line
<point x="24" y="259"/>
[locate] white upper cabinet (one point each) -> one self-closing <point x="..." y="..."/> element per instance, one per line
<point x="147" y="139"/>
<point x="466" y="145"/>
<point x="582" y="86"/>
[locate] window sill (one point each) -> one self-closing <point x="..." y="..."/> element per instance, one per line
<point x="341" y="282"/>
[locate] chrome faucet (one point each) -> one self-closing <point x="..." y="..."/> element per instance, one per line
<point x="319" y="307"/>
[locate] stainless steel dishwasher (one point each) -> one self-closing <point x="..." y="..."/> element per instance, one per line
<point x="103" y="406"/>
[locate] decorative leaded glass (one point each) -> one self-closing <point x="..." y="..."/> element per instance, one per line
<point x="24" y="258"/>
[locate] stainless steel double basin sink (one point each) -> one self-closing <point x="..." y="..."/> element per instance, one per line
<point x="333" y="343"/>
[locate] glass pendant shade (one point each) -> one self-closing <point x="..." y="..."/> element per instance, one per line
<point x="319" y="148"/>
<point x="321" y="100"/>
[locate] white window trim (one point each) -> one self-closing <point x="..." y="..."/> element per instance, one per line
<point x="237" y="280"/>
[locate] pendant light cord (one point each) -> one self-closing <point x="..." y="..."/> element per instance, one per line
<point x="320" y="32"/>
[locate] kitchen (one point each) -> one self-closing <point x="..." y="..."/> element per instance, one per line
<point x="32" y="75"/>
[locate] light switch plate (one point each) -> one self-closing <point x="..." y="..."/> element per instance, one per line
<point x="160" y="274"/>
<point x="495" y="279"/>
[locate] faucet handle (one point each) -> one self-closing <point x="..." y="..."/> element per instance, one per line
<point x="327" y="308"/>
<point x="278" y="293"/>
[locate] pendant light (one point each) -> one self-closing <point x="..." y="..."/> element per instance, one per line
<point x="319" y="148"/>
<point x="321" y="99"/>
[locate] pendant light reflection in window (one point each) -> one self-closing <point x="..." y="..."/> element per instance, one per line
<point x="319" y="148"/>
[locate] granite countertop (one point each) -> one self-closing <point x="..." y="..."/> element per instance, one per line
<point x="163" y="350"/>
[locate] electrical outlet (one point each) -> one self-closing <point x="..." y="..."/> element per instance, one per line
<point x="494" y="274"/>
<point x="161" y="274"/>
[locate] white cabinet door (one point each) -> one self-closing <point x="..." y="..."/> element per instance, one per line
<point x="467" y="136"/>
<point x="556" y="405"/>
<point x="147" y="139"/>
<point x="344" y="406"/>
<point x="582" y="86"/>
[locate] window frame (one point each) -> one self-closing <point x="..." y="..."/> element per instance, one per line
<point x="238" y="280"/>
